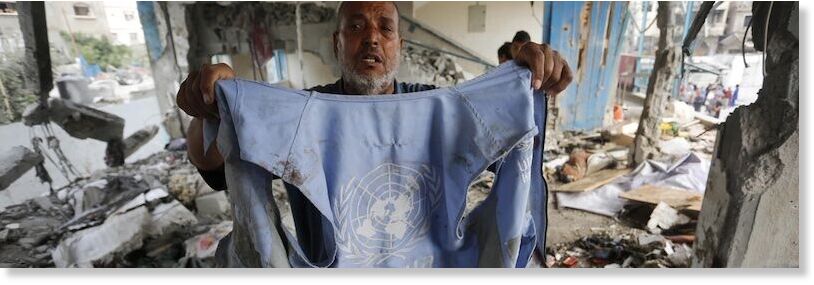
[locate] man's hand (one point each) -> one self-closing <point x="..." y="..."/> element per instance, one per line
<point x="549" y="71"/>
<point x="197" y="93"/>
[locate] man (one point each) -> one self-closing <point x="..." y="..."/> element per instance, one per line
<point x="367" y="46"/>
<point x="504" y="53"/>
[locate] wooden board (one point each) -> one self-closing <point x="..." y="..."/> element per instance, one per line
<point x="676" y="198"/>
<point x="593" y="181"/>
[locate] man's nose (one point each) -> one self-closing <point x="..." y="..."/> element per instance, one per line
<point x="372" y="37"/>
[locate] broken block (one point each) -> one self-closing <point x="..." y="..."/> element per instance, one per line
<point x="15" y="163"/>
<point x="83" y="122"/>
<point x="213" y="204"/>
<point x="138" y="139"/>
<point x="117" y="236"/>
<point x="170" y="217"/>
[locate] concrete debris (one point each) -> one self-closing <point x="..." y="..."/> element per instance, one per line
<point x="156" y="195"/>
<point x="665" y="217"/>
<point x="432" y="67"/>
<point x="676" y="147"/>
<point x="623" y="251"/>
<point x="214" y="204"/>
<point x="16" y="162"/>
<point x="119" y="217"/>
<point x="186" y="185"/>
<point x="138" y="139"/>
<point x="170" y="217"/>
<point x="98" y="246"/>
<point x="85" y="122"/>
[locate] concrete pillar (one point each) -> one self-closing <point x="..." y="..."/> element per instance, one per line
<point x="38" y="77"/>
<point x="750" y="215"/>
<point x="659" y="87"/>
<point x="166" y="35"/>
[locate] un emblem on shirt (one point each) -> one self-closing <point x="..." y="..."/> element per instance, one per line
<point x="382" y="215"/>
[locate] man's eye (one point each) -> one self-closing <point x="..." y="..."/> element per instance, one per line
<point x="356" y="27"/>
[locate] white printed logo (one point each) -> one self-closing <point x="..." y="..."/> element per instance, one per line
<point x="383" y="214"/>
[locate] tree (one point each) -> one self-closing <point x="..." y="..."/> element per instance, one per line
<point x="100" y="50"/>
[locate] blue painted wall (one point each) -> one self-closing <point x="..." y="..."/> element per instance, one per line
<point x="149" y="24"/>
<point x="584" y="104"/>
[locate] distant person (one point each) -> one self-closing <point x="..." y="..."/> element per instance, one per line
<point x="734" y="99"/>
<point x="504" y="53"/>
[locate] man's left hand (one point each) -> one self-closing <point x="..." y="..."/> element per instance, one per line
<point x="549" y="71"/>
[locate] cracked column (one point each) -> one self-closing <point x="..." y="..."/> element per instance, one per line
<point x="750" y="215"/>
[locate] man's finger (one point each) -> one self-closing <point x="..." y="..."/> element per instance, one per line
<point x="532" y="56"/>
<point x="205" y="109"/>
<point x="182" y="99"/>
<point x="548" y="67"/>
<point x="556" y="72"/>
<point x="565" y="79"/>
<point x="210" y="74"/>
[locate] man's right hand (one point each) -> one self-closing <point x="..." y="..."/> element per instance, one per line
<point x="197" y="93"/>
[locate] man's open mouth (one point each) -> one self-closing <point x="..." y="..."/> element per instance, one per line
<point x="371" y="58"/>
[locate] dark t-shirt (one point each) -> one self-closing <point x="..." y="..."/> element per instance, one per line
<point x="217" y="178"/>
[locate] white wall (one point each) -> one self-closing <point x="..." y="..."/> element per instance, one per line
<point x="120" y="25"/>
<point x="503" y="19"/>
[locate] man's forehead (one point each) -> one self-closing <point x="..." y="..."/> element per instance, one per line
<point x="362" y="9"/>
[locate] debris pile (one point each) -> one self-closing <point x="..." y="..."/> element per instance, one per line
<point x="657" y="200"/>
<point x="156" y="212"/>
<point x="629" y="250"/>
<point x="432" y="67"/>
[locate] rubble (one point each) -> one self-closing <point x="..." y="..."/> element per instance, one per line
<point x="433" y="66"/>
<point x="118" y="217"/>
<point x="170" y="217"/>
<point x="84" y="122"/>
<point x="138" y="139"/>
<point x="634" y="249"/>
<point x="665" y="217"/>
<point x="95" y="246"/>
<point x="213" y="204"/>
<point x="15" y="163"/>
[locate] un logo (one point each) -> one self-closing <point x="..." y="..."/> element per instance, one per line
<point x="382" y="215"/>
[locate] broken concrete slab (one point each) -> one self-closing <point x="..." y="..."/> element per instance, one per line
<point x="85" y="122"/>
<point x="16" y="162"/>
<point x="170" y="217"/>
<point x="665" y="217"/>
<point x="135" y="202"/>
<point x="138" y="139"/>
<point x="35" y="114"/>
<point x="156" y="195"/>
<point x="117" y="236"/>
<point x="213" y="204"/>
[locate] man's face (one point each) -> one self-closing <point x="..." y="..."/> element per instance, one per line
<point x="367" y="44"/>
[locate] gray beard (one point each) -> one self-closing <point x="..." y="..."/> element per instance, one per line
<point x="367" y="85"/>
